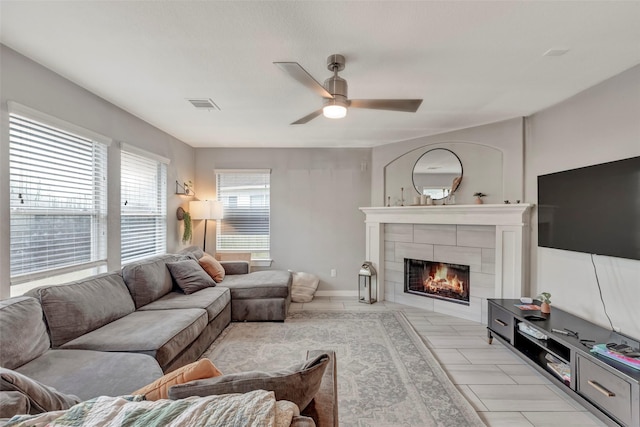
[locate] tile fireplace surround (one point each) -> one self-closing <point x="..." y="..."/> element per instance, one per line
<point x="491" y="239"/>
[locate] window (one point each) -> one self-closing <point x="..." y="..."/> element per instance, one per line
<point x="58" y="196"/>
<point x="143" y="201"/>
<point x="245" y="197"/>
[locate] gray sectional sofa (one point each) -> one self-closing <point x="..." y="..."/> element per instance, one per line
<point x="116" y="332"/>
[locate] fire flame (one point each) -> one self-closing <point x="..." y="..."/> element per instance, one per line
<point x="440" y="281"/>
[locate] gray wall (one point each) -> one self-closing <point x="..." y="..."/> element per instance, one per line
<point x="315" y="195"/>
<point x="32" y="85"/>
<point x="598" y="125"/>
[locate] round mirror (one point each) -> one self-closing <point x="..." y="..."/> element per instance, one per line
<point x="437" y="173"/>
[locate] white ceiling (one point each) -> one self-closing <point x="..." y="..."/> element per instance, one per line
<point x="473" y="62"/>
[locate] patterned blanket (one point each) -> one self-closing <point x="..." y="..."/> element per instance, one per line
<point x="254" y="409"/>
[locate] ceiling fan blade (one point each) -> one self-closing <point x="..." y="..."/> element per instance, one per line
<point x="296" y="71"/>
<point x="308" y="117"/>
<point x="406" y="105"/>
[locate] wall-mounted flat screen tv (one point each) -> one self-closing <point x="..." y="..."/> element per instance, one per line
<point x="595" y="209"/>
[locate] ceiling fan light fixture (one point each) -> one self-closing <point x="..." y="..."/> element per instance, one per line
<point x="335" y="108"/>
<point x="334" y="111"/>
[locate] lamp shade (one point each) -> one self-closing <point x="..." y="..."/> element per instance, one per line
<point x="205" y="209"/>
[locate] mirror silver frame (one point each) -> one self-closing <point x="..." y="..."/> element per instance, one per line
<point x="456" y="181"/>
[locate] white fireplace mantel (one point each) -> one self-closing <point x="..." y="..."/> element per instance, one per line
<point x="512" y="231"/>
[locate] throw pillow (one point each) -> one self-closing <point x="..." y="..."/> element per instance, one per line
<point x="189" y="275"/>
<point x="213" y="267"/>
<point x="298" y="383"/>
<point x="199" y="370"/>
<point x="41" y="397"/>
<point x="303" y="286"/>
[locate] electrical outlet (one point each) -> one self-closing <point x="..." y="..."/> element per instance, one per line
<point x="333" y="272"/>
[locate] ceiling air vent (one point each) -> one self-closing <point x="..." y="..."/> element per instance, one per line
<point x="204" y="104"/>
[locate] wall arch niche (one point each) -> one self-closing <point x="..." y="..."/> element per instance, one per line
<point x="483" y="172"/>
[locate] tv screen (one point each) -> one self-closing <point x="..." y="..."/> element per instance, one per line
<point x="595" y="209"/>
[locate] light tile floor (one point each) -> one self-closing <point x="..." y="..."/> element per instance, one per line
<point x="504" y="390"/>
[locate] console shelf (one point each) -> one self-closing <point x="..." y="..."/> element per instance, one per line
<point x="605" y="387"/>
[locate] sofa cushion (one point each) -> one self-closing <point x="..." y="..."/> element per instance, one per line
<point x="13" y="403"/>
<point x="259" y="284"/>
<point x="73" y="309"/>
<point x="298" y="383"/>
<point x="159" y="389"/>
<point x="41" y="397"/>
<point x="213" y="267"/>
<point x="148" y="280"/>
<point x="88" y="374"/>
<point x="23" y="334"/>
<point x="189" y="276"/>
<point x="193" y="250"/>
<point x="162" y="334"/>
<point x="213" y="300"/>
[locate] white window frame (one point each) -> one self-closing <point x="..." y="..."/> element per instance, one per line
<point x="142" y="198"/>
<point x="24" y="184"/>
<point x="233" y="208"/>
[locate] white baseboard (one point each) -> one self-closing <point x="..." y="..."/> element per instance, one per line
<point x="337" y="293"/>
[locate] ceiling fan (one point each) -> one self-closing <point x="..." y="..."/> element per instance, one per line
<point x="334" y="92"/>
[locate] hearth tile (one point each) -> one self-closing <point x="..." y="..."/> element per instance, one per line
<point x="434" y="234"/>
<point x="477" y="236"/>
<point x="488" y="261"/>
<point x="414" y="251"/>
<point x="558" y="391"/>
<point x="434" y="330"/>
<point x="469" y="312"/>
<point x="398" y="232"/>
<point x="477" y="329"/>
<point x="505" y="419"/>
<point x="459" y="342"/>
<point x="482" y="285"/>
<point x="458" y="255"/>
<point x="528" y="397"/>
<point x="394" y="276"/>
<point x="450" y="320"/>
<point x="561" y="419"/>
<point x="477" y="374"/>
<point x="295" y="306"/>
<point x="490" y="356"/>
<point x="523" y="374"/>
<point x="395" y="266"/>
<point x="471" y="397"/>
<point x="449" y="356"/>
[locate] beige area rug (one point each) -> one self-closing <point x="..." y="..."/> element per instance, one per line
<point x="386" y="375"/>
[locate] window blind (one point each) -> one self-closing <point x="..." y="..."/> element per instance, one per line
<point x="143" y="198"/>
<point x="245" y="196"/>
<point x="58" y="200"/>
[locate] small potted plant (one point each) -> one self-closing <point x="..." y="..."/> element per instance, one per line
<point x="479" y="197"/>
<point x="545" y="298"/>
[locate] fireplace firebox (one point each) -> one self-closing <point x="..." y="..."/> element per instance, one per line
<point x="439" y="280"/>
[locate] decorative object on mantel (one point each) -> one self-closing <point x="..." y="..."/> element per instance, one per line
<point x="401" y="196"/>
<point x="433" y="169"/>
<point x="388" y="201"/>
<point x="479" y="195"/>
<point x="545" y="298"/>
